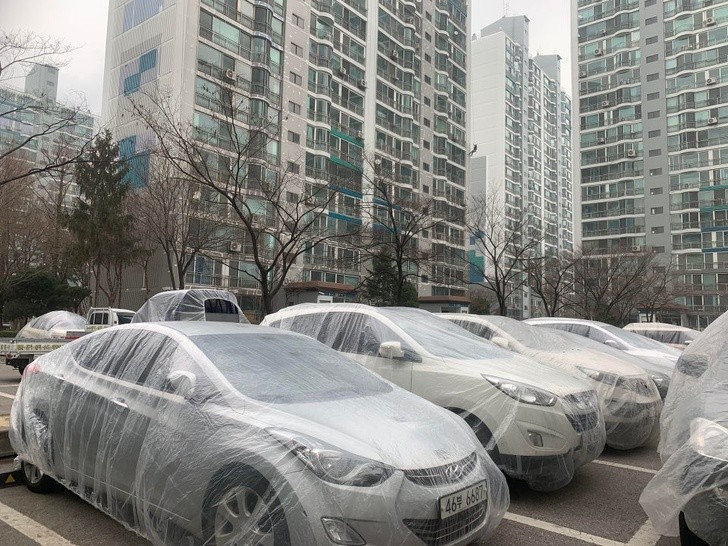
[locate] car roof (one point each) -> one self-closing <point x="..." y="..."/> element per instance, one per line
<point x="203" y="328"/>
<point x="657" y="327"/>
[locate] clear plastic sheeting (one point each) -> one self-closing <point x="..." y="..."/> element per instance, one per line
<point x="538" y="423"/>
<point x="694" y="443"/>
<point x="193" y="304"/>
<point x="53" y="325"/>
<point x="656" y="358"/>
<point x="670" y="334"/>
<point x="201" y="433"/>
<point x="629" y="400"/>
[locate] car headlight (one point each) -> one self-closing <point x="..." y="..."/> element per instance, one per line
<point x="521" y="392"/>
<point x="709" y="439"/>
<point x="599" y="377"/>
<point x="332" y="464"/>
<point x="662" y="382"/>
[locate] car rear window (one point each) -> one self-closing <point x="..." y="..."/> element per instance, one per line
<point x="287" y="369"/>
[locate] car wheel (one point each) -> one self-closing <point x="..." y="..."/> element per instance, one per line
<point x="687" y="537"/>
<point x="243" y="508"/>
<point x="36" y="480"/>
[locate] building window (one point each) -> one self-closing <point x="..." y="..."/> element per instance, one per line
<point x="651" y="58"/>
<point x="294" y="137"/>
<point x="655" y="153"/>
<point x="428" y="36"/>
<point x="295" y="78"/>
<point x="426" y="144"/>
<point x="652" y="77"/>
<point x="657" y="229"/>
<point x="654" y="134"/>
<point x="651" y="40"/>
<point x="297" y="49"/>
<point x="655" y="172"/>
<point x="428" y="16"/>
<point x="653" y="115"/>
<point x="428" y="102"/>
<point x="294" y="168"/>
<point x="650" y="3"/>
<point x="650" y="20"/>
<point x="656" y="210"/>
<point x="294" y="107"/>
<point x="426" y="167"/>
<point x="655" y="191"/>
<point x="658" y="249"/>
<point x="426" y="122"/>
<point x="428" y="59"/>
<point x="297" y="20"/>
<point x="428" y="80"/>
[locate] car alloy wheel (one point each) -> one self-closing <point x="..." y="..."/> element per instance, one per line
<point x="243" y="517"/>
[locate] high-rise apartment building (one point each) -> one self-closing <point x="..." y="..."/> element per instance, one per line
<point x="521" y="124"/>
<point x="653" y="113"/>
<point x="352" y="85"/>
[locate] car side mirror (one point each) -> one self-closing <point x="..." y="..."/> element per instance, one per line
<point x="611" y="343"/>
<point x="501" y="342"/>
<point x="182" y="383"/>
<point x="391" y="349"/>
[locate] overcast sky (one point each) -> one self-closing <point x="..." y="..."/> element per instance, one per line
<point x="82" y="23"/>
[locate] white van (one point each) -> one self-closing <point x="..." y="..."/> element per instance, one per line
<point x="537" y="422"/>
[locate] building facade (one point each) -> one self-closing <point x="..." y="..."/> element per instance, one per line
<point x="521" y="125"/>
<point x="351" y="86"/>
<point x="652" y="83"/>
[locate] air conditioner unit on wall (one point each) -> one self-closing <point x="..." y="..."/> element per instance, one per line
<point x="363" y="84"/>
<point x="606" y="103"/>
<point x="636" y="248"/>
<point x="711" y="81"/>
<point x="230" y="74"/>
<point x="631" y="153"/>
<point x="713" y="121"/>
<point x="598" y="52"/>
<point x="709" y="21"/>
<point x="235" y="247"/>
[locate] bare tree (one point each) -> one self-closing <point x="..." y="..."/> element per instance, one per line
<point x="506" y="241"/>
<point x="607" y="288"/>
<point x="660" y="288"/>
<point x="173" y="214"/>
<point x="397" y="219"/>
<point x="18" y="51"/>
<point x="274" y="216"/>
<point x="551" y="279"/>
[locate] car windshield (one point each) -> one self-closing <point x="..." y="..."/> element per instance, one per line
<point x="287" y="369"/>
<point x="636" y="340"/>
<point x="530" y="336"/>
<point x="125" y="318"/>
<point x="441" y="337"/>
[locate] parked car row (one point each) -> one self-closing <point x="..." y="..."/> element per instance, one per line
<point x="330" y="424"/>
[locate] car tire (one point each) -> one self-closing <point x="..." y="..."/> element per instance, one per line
<point x="231" y="503"/>
<point x="35" y="480"/>
<point x="687" y="537"/>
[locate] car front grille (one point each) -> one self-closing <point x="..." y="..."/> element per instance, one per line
<point x="439" y="532"/>
<point x="443" y="475"/>
<point x="584" y="421"/>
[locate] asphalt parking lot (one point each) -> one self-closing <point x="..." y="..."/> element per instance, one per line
<point x="599" y="507"/>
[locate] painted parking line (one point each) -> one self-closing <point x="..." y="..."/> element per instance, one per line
<point x="559" y="530"/>
<point x="31" y="528"/>
<point x="6" y="395"/>
<point x="645" y="536"/>
<point x="626" y="466"/>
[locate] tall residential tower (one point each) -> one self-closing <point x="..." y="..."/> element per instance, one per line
<point x="351" y="84"/>
<point x="652" y="81"/>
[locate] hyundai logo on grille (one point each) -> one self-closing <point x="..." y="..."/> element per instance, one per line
<point x="453" y="472"/>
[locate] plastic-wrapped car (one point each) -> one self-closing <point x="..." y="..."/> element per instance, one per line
<point x="235" y="434"/>
<point x="658" y="360"/>
<point x="689" y="494"/>
<point x="193" y="304"/>
<point x="54" y="325"/>
<point x="673" y="335"/>
<point x="538" y="423"/>
<point x="629" y="400"/>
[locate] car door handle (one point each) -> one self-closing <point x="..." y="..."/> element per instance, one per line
<point x="119" y="403"/>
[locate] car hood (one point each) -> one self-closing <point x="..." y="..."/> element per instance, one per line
<point x="655" y="361"/>
<point x="524" y="370"/>
<point x="397" y="428"/>
<point x="574" y="357"/>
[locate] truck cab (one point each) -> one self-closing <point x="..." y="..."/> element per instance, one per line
<point x="105" y="317"/>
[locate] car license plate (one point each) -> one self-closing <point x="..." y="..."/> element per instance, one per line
<point x="462" y="500"/>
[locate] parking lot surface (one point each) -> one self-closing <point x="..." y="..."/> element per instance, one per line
<point x="599" y="507"/>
